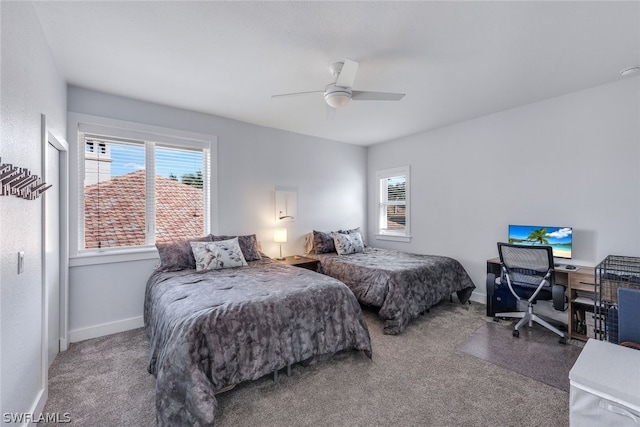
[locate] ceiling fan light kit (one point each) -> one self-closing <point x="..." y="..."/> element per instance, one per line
<point x="336" y="96"/>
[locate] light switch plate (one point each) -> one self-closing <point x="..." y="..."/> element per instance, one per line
<point x="20" y="262"/>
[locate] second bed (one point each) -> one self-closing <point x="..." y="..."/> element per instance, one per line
<point x="402" y="285"/>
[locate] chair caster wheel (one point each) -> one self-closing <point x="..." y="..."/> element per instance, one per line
<point x="516" y="333"/>
<point x="562" y="341"/>
<point x="496" y="319"/>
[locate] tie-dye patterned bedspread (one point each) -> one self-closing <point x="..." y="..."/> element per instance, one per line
<point x="212" y="329"/>
<point x="402" y="285"/>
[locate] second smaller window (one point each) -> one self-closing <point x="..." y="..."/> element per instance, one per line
<point x="393" y="199"/>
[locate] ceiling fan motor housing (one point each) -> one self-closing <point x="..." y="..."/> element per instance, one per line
<point x="335" y="68"/>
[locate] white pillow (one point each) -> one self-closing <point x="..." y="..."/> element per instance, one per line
<point x="348" y="243"/>
<point x="217" y="255"/>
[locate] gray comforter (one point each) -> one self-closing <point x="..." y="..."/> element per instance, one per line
<point x="401" y="284"/>
<point x="212" y="329"/>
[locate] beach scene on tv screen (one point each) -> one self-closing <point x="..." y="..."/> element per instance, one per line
<point x="559" y="238"/>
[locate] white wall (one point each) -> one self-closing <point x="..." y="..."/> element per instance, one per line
<point x="31" y="86"/>
<point x="252" y="161"/>
<point x="567" y="161"/>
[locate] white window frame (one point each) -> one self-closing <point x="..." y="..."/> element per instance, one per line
<point x="398" y="236"/>
<point x="83" y="123"/>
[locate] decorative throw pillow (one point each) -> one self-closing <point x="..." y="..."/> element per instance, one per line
<point x="323" y="242"/>
<point x="353" y="231"/>
<point x="176" y="256"/>
<point x="218" y="255"/>
<point x="350" y="231"/>
<point x="248" y="245"/>
<point x="348" y="243"/>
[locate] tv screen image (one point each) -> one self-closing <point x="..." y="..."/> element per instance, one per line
<point x="559" y="238"/>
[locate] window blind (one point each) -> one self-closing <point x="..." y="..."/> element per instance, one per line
<point x="180" y="179"/>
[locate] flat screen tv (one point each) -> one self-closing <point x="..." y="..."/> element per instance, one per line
<point x="559" y="238"/>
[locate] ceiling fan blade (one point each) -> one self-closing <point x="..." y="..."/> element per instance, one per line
<point x="348" y="74"/>
<point x="330" y="112"/>
<point x="360" y="95"/>
<point x="296" y="93"/>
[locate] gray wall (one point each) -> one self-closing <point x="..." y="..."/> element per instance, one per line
<point x="252" y="160"/>
<point x="31" y="86"/>
<point x="567" y="161"/>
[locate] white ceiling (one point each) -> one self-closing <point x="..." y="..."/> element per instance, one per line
<point x="454" y="60"/>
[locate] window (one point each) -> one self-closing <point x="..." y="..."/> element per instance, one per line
<point x="138" y="192"/>
<point x="393" y="199"/>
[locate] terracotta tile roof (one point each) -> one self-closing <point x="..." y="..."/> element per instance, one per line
<point x="114" y="211"/>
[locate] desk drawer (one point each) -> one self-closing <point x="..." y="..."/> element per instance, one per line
<point x="582" y="281"/>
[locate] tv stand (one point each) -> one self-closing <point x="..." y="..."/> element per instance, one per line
<point x="580" y="284"/>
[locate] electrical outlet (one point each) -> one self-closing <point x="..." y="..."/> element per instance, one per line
<point x="20" y="262"/>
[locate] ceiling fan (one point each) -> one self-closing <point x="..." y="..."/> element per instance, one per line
<point x="339" y="93"/>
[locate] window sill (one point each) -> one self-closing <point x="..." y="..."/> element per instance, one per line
<point x="113" y="256"/>
<point x="393" y="238"/>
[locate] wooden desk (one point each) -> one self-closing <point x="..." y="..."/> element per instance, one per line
<point x="580" y="281"/>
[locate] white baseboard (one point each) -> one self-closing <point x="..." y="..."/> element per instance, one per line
<point x="38" y="406"/>
<point x="476" y="297"/>
<point x="106" y="329"/>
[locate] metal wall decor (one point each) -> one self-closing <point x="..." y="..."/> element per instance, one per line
<point x="19" y="182"/>
<point x="286" y="204"/>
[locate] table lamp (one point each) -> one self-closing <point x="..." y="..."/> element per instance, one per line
<point x="280" y="236"/>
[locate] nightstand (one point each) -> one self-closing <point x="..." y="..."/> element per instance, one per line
<point x="303" y="262"/>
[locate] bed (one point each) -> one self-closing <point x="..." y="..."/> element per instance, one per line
<point x="212" y="329"/>
<point x="401" y="285"/>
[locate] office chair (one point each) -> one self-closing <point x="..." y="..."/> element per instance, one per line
<point x="528" y="272"/>
<point x="629" y="317"/>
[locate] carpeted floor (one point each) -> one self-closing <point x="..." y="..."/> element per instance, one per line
<point x="104" y="382"/>
<point x="416" y="379"/>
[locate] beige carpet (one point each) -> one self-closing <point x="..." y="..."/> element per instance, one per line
<point x="416" y="379"/>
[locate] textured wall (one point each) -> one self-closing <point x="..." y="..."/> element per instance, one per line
<point x="31" y="86"/>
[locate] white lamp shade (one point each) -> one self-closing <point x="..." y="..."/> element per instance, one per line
<point x="280" y="235"/>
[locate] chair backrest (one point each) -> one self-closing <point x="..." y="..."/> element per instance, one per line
<point x="628" y="315"/>
<point x="526" y="264"/>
